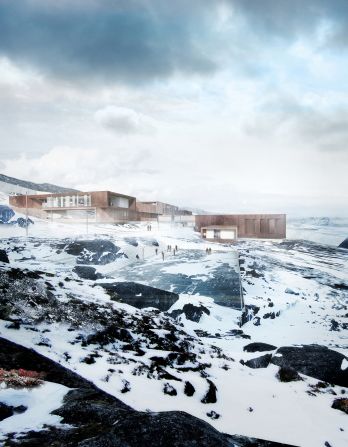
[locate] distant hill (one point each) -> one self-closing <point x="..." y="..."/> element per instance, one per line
<point x="44" y="187"/>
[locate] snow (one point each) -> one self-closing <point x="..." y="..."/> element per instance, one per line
<point x="251" y="402"/>
<point x="40" y="401"/>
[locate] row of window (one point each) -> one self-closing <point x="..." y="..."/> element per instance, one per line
<point x="263" y="226"/>
<point x="67" y="201"/>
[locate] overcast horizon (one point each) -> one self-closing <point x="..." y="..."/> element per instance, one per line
<point x="223" y="105"/>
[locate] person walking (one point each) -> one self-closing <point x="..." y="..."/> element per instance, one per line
<point x="156" y="250"/>
<point x="162" y="255"/>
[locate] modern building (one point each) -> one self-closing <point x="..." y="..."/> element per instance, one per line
<point x="162" y="209"/>
<point x="264" y="226"/>
<point x="98" y="206"/>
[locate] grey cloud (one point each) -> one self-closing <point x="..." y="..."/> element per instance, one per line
<point x="127" y="41"/>
<point x="291" y="19"/>
<point x="327" y="130"/>
<point x="323" y="129"/>
<point x="137" y="41"/>
<point x="123" y="120"/>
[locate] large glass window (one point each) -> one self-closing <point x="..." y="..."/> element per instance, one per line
<point x="120" y="202"/>
<point x="67" y="201"/>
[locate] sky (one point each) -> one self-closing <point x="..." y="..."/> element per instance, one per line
<point x="222" y="105"/>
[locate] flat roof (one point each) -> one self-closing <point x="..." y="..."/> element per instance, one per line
<point x="220" y="227"/>
<point x="255" y="215"/>
<point x="80" y="193"/>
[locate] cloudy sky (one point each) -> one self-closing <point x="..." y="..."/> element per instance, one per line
<point x="225" y="105"/>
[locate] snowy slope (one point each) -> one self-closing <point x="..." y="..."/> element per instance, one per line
<point x="299" y="289"/>
<point x="323" y="230"/>
<point x="3" y="198"/>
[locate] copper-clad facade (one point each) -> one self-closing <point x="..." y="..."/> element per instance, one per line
<point x="102" y="206"/>
<point x="264" y="226"/>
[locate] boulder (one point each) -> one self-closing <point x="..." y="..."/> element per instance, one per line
<point x="210" y="397"/>
<point x="87" y="272"/>
<point x="189" y="389"/>
<point x="169" y="389"/>
<point x="5" y="411"/>
<point x="191" y="312"/>
<point x="94" y="251"/>
<point x="258" y="362"/>
<point x="286" y="374"/>
<point x="23" y="223"/>
<point x="344" y="244"/>
<point x="4" y="257"/>
<point x="6" y="213"/>
<point x="248" y="313"/>
<point x="341" y="404"/>
<point x="291" y="292"/>
<point x="140" y="296"/>
<point x="314" y="361"/>
<point x="131" y="241"/>
<point x="258" y="347"/>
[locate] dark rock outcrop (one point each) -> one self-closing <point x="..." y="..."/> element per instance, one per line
<point x="13" y="356"/>
<point x="6" y="213"/>
<point x="94" y="251"/>
<point x="314" y="361"/>
<point x="23" y="223"/>
<point x="210" y="397"/>
<point x="344" y="244"/>
<point x="169" y="389"/>
<point x="97" y="419"/>
<point x="191" y="312"/>
<point x="248" y="313"/>
<point x="4" y="257"/>
<point x="341" y="404"/>
<point x="286" y="374"/>
<point x="258" y="347"/>
<point x="258" y="362"/>
<point x="87" y="272"/>
<point x="5" y="411"/>
<point x="140" y="296"/>
<point x="131" y="241"/>
<point x="189" y="389"/>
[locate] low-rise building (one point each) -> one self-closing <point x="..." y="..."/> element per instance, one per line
<point x="162" y="209"/>
<point x="264" y="226"/>
<point x="98" y="206"/>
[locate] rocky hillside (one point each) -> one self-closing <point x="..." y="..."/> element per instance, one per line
<point x="45" y="187"/>
<point x="183" y="365"/>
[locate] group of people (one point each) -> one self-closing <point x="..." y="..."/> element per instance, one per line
<point x="171" y="249"/>
<point x="149" y="228"/>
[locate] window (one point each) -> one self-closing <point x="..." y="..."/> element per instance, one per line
<point x="227" y="234"/>
<point x="264" y="226"/>
<point x="120" y="202"/>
